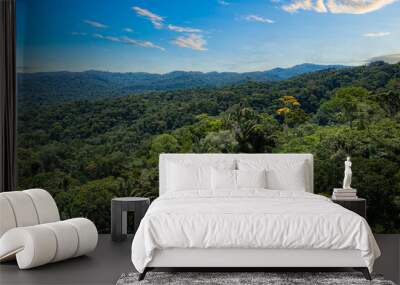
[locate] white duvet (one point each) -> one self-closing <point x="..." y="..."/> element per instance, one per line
<point x="250" y="219"/>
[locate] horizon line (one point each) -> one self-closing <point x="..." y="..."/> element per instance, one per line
<point x="176" y="70"/>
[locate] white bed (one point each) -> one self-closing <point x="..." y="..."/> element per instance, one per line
<point x="251" y="227"/>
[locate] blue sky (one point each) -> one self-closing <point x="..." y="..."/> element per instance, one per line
<point x="160" y="36"/>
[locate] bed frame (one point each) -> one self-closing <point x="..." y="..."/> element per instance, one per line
<point x="246" y="258"/>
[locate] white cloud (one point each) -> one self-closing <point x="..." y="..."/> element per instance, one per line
<point x="337" y="6"/>
<point x="224" y="3"/>
<point x="98" y="36"/>
<point x="128" y="30"/>
<point x="183" y="29"/>
<point x="255" y="18"/>
<point x="377" y="34"/>
<point x="155" y="19"/>
<point x="298" y="5"/>
<point x="320" y="6"/>
<point x="113" y="39"/>
<point x="357" y="6"/>
<point x="126" y="40"/>
<point x="191" y="41"/>
<point x="159" y="22"/>
<point x="145" y="44"/>
<point x="109" y="38"/>
<point x="389" y="58"/>
<point x="95" y="24"/>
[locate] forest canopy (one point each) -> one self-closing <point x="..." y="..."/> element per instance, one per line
<point x="86" y="152"/>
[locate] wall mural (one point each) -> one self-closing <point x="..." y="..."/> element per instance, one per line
<point x="105" y="86"/>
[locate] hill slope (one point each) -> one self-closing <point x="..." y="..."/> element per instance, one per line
<point x="55" y="87"/>
<point x="173" y="109"/>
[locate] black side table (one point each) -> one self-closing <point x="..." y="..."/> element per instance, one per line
<point x="119" y="208"/>
<point x="358" y="206"/>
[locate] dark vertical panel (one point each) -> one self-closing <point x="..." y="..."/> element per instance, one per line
<point x="7" y="96"/>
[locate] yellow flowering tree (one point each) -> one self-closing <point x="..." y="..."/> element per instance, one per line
<point x="291" y="111"/>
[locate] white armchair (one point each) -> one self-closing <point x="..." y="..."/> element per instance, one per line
<point x="31" y="230"/>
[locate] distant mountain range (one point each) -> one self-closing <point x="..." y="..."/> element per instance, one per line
<point x="50" y="87"/>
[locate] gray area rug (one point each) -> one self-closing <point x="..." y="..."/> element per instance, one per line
<point x="233" y="278"/>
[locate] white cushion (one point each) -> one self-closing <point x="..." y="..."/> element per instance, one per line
<point x="7" y="218"/>
<point x="251" y="178"/>
<point x="87" y="233"/>
<point x="231" y="180"/>
<point x="186" y="175"/>
<point x="223" y="179"/>
<point x="23" y="208"/>
<point x="281" y="174"/>
<point x="67" y="240"/>
<point x="45" y="205"/>
<point x="32" y="246"/>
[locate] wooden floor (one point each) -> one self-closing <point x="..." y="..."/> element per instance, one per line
<point x="110" y="260"/>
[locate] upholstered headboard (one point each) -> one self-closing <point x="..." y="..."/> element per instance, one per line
<point x="210" y="157"/>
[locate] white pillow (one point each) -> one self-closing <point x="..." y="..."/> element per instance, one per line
<point x="223" y="179"/>
<point x="251" y="178"/>
<point x="188" y="177"/>
<point x="227" y="179"/>
<point x="186" y="174"/>
<point x="281" y="174"/>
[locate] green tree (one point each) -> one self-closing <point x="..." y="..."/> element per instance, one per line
<point x="164" y="143"/>
<point x="92" y="200"/>
<point x="347" y="105"/>
<point x="389" y="98"/>
<point x="223" y="141"/>
<point x="253" y="132"/>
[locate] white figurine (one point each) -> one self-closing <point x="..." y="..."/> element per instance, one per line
<point x="347" y="174"/>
